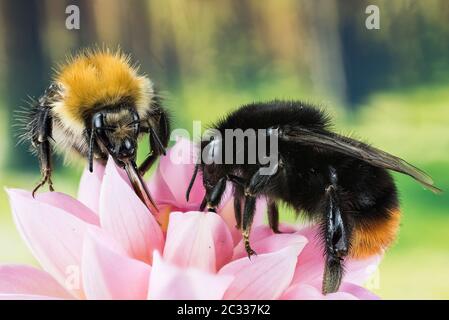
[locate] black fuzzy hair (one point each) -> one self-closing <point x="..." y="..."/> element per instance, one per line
<point x="25" y="120"/>
<point x="275" y="113"/>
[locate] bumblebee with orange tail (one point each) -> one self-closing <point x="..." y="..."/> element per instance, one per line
<point x="341" y="183"/>
<point x="98" y="105"/>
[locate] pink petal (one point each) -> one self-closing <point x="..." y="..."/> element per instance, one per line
<point x="170" y="182"/>
<point x="358" y="291"/>
<point x="265" y="276"/>
<point x="263" y="240"/>
<point x="68" y="204"/>
<point x="7" y="296"/>
<point x="18" y="279"/>
<point x="227" y="213"/>
<point x="64" y="202"/>
<point x="90" y="186"/>
<point x="311" y="262"/>
<point x="308" y="292"/>
<point x="360" y="271"/>
<point x="198" y="239"/>
<point x="126" y="218"/>
<point x="160" y="190"/>
<point x="169" y="282"/>
<point x="347" y="291"/>
<point x="108" y="273"/>
<point x="52" y="234"/>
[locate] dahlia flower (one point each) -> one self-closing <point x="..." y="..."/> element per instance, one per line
<point x="106" y="245"/>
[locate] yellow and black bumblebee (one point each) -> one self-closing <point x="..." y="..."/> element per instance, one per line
<point x="98" y="105"/>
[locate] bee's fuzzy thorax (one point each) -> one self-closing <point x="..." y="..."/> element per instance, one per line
<point x="96" y="78"/>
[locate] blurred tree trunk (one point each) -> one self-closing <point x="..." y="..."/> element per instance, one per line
<point x="367" y="59"/>
<point x="327" y="72"/>
<point x="26" y="68"/>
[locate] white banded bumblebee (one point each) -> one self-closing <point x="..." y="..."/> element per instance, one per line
<point x="98" y="105"/>
<point x="339" y="182"/>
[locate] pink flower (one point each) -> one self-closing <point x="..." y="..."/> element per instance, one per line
<point x="106" y="245"/>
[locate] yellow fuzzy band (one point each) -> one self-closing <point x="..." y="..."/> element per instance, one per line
<point x="97" y="78"/>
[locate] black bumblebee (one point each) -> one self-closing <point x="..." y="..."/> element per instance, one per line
<point x="98" y="105"/>
<point x="341" y="183"/>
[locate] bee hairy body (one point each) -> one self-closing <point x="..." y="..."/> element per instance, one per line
<point x="368" y="193"/>
<point x="338" y="182"/>
<point x="97" y="106"/>
<point x="90" y="82"/>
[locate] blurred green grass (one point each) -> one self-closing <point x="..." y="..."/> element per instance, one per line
<point x="412" y="124"/>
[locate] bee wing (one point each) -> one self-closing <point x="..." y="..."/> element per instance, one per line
<point x="357" y="149"/>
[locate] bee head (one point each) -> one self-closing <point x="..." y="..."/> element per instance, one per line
<point x="117" y="132"/>
<point x="214" y="174"/>
<point x="213" y="171"/>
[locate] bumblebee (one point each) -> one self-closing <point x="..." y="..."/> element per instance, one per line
<point x="97" y="106"/>
<point x="336" y="181"/>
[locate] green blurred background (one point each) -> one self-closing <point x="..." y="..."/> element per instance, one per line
<point x="389" y="86"/>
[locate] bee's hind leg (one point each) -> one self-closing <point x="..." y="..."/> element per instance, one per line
<point x="41" y="140"/>
<point x="336" y="237"/>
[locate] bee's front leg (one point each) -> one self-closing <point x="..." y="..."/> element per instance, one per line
<point x="41" y="140"/>
<point x="214" y="196"/>
<point x="158" y="131"/>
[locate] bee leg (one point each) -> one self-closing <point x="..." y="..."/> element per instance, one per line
<point x="41" y="140"/>
<point x="90" y="152"/>
<point x="147" y="163"/>
<point x="238" y="197"/>
<point x="203" y="204"/>
<point x="239" y="185"/>
<point x="158" y="140"/>
<point x="152" y="157"/>
<point x="216" y="194"/>
<point x="273" y="216"/>
<point x="337" y="244"/>
<point x="247" y="221"/>
<point x="257" y="184"/>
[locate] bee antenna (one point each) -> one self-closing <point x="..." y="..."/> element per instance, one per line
<point x="90" y="154"/>
<point x="192" y="180"/>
